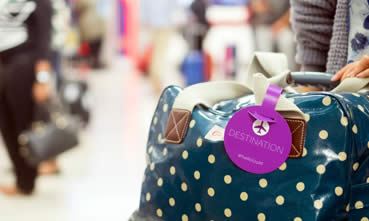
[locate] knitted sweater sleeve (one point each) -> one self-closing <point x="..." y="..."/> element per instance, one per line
<point x="312" y="21"/>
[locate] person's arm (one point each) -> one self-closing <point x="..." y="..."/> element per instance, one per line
<point x="42" y="27"/>
<point x="312" y="21"/>
<point x="282" y="22"/>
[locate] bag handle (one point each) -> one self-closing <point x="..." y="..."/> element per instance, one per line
<point x="275" y="67"/>
<point x="210" y="93"/>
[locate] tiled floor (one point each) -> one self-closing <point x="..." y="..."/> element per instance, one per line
<point x="101" y="179"/>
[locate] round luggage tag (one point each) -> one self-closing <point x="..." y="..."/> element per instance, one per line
<point x="257" y="138"/>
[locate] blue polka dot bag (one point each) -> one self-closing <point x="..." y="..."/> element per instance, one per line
<point x="189" y="175"/>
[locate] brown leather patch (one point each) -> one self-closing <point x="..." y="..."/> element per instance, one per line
<point x="298" y="131"/>
<point x="177" y="126"/>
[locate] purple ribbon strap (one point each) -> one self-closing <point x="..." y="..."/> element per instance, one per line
<point x="272" y="96"/>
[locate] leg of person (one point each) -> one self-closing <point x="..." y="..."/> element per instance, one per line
<point x="264" y="38"/>
<point x="17" y="114"/>
<point x="286" y="44"/>
<point x="95" y="47"/>
<point x="157" y="64"/>
<point x="8" y="134"/>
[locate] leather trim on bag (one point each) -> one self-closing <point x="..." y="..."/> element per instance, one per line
<point x="177" y="126"/>
<point x="298" y="131"/>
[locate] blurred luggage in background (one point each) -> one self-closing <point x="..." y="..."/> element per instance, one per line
<point x="196" y="64"/>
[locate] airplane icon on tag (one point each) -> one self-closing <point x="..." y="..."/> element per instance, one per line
<point x="260" y="128"/>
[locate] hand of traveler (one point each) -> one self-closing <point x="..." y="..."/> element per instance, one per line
<point x="359" y="69"/>
<point x="42" y="90"/>
<point x="259" y="6"/>
<point x="278" y="26"/>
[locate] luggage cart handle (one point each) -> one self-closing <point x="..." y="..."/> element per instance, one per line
<point x="312" y="79"/>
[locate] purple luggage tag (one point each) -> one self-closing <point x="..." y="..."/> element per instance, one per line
<point x="257" y="138"/>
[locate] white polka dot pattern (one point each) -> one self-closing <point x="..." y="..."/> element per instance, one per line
<point x="307" y="117"/>
<point x="261" y="217"/>
<point x="151" y="148"/>
<point x="355" y="167"/>
<point x="339" y="191"/>
<point x="359" y="205"/>
<point x="198" y="207"/>
<point x="318" y="204"/>
<point x="184" y="217"/>
<point x="244" y="196"/>
<point x="165" y="107"/>
<point x="323" y="134"/>
<point x="280" y="200"/>
<point x="227" y="179"/>
<point x="152" y="166"/>
<point x="192" y="123"/>
<point x="159" y="212"/>
<point x="184" y="187"/>
<point x="196" y="175"/>
<point x="263" y="183"/>
<point x="283" y="167"/>
<point x="342" y="156"/>
<point x="211" y="159"/>
<point x="327" y="101"/>
<point x="199" y="142"/>
<point x="320" y="169"/>
<point x="305" y="152"/>
<point x="355" y="130"/>
<point x="300" y="186"/>
<point x="148" y="196"/>
<point x="211" y="192"/>
<point x="227" y="213"/>
<point x="185" y="155"/>
<point x="344" y="121"/>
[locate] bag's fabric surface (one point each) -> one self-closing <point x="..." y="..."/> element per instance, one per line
<point x="195" y="180"/>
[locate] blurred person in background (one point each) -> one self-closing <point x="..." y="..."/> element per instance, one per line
<point x="24" y="74"/>
<point x="332" y="37"/>
<point x="91" y="29"/>
<point x="271" y="23"/>
<point x="158" y="18"/>
<point x="198" y="7"/>
<point x="60" y="26"/>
